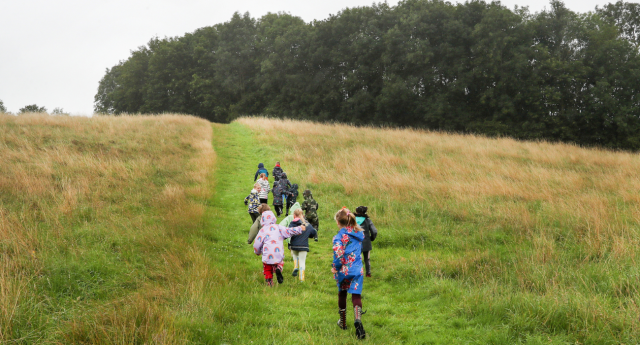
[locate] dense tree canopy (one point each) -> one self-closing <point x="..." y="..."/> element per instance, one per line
<point x="475" y="67"/>
<point x="33" y="108"/>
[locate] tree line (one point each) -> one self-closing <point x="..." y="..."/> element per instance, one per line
<point x="476" y="67"/>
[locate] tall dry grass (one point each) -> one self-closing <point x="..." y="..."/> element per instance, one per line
<point x="112" y="199"/>
<point x="546" y="224"/>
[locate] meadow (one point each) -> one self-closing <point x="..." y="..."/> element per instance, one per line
<point x="131" y="229"/>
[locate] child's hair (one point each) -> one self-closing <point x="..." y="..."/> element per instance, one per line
<point x="345" y="218"/>
<point x="264" y="176"/>
<point x="298" y="213"/>
<point x="263" y="208"/>
<point x="277" y="163"/>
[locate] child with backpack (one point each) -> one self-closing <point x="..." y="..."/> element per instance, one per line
<point x="253" y="201"/>
<point x="310" y="207"/>
<point x="261" y="170"/>
<point x="299" y="244"/>
<point x="347" y="268"/>
<point x="269" y="244"/>
<point x="370" y="234"/>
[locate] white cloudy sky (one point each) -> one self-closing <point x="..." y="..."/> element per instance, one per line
<point x="54" y="52"/>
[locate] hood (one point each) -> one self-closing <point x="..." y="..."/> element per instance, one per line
<point x="294" y="186"/>
<point x="356" y="236"/>
<point x="295" y="223"/>
<point x="268" y="218"/>
<point x="360" y="220"/>
<point x="283" y="176"/>
<point x="260" y="166"/>
<point x="295" y="206"/>
<point x="307" y="194"/>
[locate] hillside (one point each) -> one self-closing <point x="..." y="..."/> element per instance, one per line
<point x="132" y="230"/>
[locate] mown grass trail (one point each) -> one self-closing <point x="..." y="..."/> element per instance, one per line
<point x="399" y="310"/>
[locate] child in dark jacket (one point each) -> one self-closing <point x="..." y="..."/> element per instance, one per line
<point x="347" y="268"/>
<point x="370" y="234"/>
<point x="261" y="170"/>
<point x="300" y="243"/>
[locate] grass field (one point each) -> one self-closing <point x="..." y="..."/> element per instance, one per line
<point x="120" y="230"/>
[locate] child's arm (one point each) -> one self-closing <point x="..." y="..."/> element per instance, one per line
<point x="246" y="202"/>
<point x="374" y="231"/>
<point x="256" y="177"/>
<point x="257" y="246"/>
<point x="288" y="232"/>
<point x="339" y="246"/>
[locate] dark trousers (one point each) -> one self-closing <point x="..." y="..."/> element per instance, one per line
<point x="315" y="225"/>
<point x="356" y="300"/>
<point x="264" y="201"/>
<point x="254" y="216"/>
<point x="366" y="261"/>
<point x="278" y="210"/>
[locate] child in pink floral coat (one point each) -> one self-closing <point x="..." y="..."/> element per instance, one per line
<point x="269" y="244"/>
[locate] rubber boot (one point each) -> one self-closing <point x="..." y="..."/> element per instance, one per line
<point x="302" y="275"/>
<point x="357" y="313"/>
<point x="279" y="275"/>
<point x="295" y="268"/>
<point x="342" y="322"/>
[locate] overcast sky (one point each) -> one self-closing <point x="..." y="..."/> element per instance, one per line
<point x="54" y="52"/>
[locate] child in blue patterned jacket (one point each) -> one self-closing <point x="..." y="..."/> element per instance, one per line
<point x="347" y="267"/>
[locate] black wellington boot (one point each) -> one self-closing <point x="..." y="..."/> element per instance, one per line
<point x="342" y="322"/>
<point x="357" y="311"/>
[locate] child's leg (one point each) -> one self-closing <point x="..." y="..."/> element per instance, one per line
<point x="278" y="269"/>
<point x="367" y="264"/>
<point x="342" y="308"/>
<point x="268" y="273"/>
<point x="294" y="254"/>
<point x="254" y="216"/>
<point x="303" y="257"/>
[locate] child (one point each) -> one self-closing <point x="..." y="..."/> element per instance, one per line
<point x="310" y="207"/>
<point x="279" y="193"/>
<point x="253" y="232"/>
<point x="261" y="170"/>
<point x="347" y="268"/>
<point x="253" y="201"/>
<point x="370" y="233"/>
<point x="292" y="197"/>
<point x="269" y="245"/>
<point x="264" y="192"/>
<point x="277" y="171"/>
<point x="300" y="243"/>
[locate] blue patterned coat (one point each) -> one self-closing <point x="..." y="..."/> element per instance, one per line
<point x="347" y="263"/>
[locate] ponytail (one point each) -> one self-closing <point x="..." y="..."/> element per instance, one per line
<point x="345" y="218"/>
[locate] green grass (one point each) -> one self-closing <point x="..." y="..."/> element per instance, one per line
<point x="401" y="307"/>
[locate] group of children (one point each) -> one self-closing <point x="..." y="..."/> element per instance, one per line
<point x="353" y="240"/>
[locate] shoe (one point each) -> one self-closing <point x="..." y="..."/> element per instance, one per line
<point x="279" y="276"/>
<point x="269" y="282"/>
<point x="295" y="272"/>
<point x="368" y="275"/>
<point x="301" y="276"/>
<point x="315" y="239"/>
<point x="357" y="313"/>
<point x="342" y="322"/>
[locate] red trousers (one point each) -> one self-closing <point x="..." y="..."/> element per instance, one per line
<point x="270" y="269"/>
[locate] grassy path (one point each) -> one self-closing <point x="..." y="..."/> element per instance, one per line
<point x="242" y="310"/>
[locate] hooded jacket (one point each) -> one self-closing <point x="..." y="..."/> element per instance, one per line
<point x="347" y="249"/>
<point x="301" y="242"/>
<point x="264" y="191"/>
<point x="370" y="232"/>
<point x="310" y="207"/>
<point x="269" y="241"/>
<point x="261" y="170"/>
<point x="288" y="219"/>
